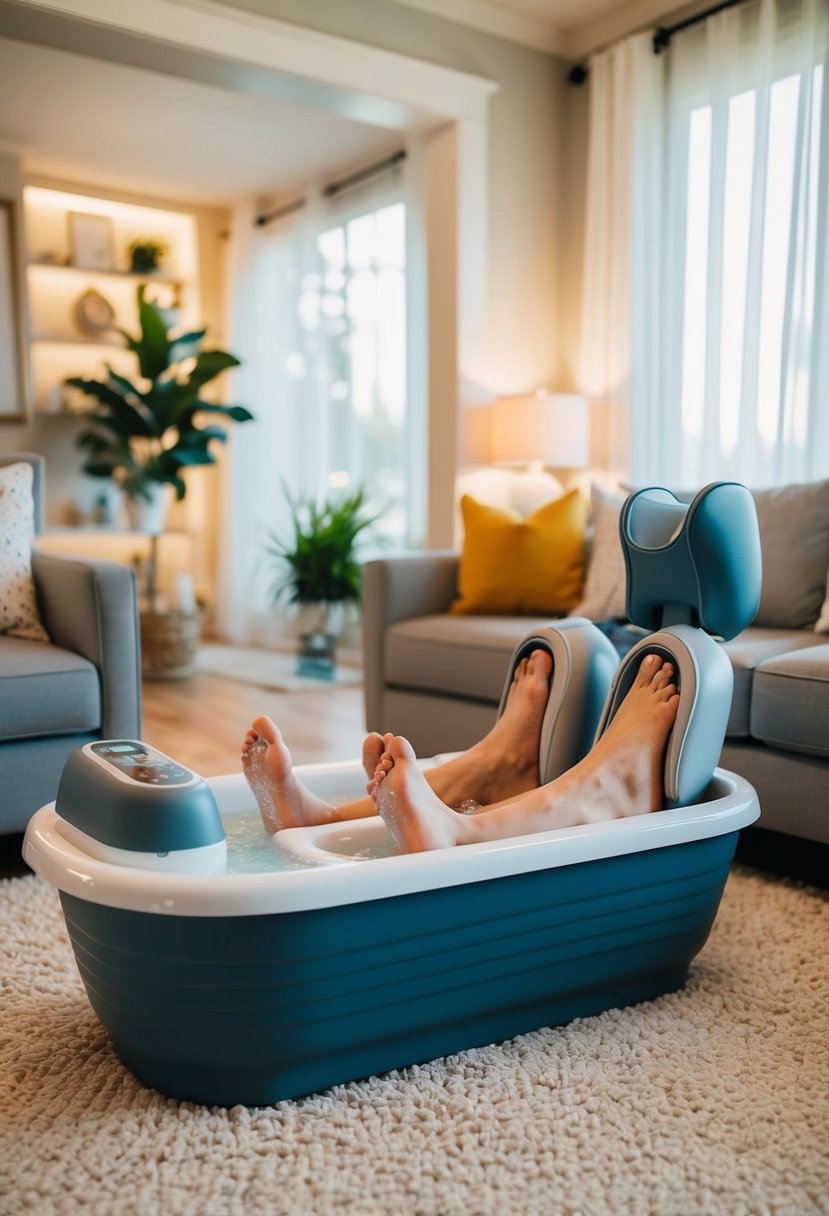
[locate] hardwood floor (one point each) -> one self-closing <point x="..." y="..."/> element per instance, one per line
<point x="201" y="721"/>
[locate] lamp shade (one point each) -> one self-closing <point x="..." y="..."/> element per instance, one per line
<point x="545" y="428"/>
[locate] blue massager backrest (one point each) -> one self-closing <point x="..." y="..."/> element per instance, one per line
<point x="693" y="570"/>
<point x="694" y="563"/>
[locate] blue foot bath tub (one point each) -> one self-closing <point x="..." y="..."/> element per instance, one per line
<point x="231" y="967"/>
<point x="292" y="963"/>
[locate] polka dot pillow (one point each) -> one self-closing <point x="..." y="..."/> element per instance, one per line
<point x="18" y="606"/>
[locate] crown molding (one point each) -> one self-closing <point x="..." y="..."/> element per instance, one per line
<point x="522" y="28"/>
<point x="296" y="51"/>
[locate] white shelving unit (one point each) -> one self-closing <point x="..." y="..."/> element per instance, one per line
<point x="59" y="345"/>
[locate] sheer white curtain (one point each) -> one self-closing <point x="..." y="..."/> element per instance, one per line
<point x="737" y="323"/>
<point x="705" y="311"/>
<point x="318" y="320"/>
<point x="745" y="257"/>
<point x="622" y="188"/>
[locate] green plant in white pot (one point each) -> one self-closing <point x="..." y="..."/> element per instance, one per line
<point x="318" y="570"/>
<point x="143" y="434"/>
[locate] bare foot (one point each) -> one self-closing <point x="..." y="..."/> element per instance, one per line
<point x="413" y="813"/>
<point x="505" y="762"/>
<point x="283" y="800"/>
<point x="621" y="776"/>
<point x="624" y="771"/>
<point x="373" y="748"/>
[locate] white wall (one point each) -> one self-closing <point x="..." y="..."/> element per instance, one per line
<point x="523" y="347"/>
<point x="528" y="330"/>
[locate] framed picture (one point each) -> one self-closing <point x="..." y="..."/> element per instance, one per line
<point x="90" y="241"/>
<point x="12" y="383"/>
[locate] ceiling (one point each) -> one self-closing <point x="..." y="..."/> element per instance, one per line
<point x="570" y="28"/>
<point x="122" y="125"/>
<point x="155" y="134"/>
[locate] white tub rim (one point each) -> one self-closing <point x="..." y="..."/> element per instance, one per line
<point x="345" y="881"/>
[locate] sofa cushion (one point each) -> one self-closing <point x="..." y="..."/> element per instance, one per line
<point x="794" y="541"/>
<point x="747" y="652"/>
<point x="465" y="656"/>
<point x="790" y="701"/>
<point x="511" y="565"/>
<point x="45" y="690"/>
<point x="605" y="587"/>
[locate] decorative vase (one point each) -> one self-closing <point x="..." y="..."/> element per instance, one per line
<point x="319" y="627"/>
<point x="148" y="516"/>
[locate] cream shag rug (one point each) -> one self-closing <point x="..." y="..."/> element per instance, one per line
<point x="714" y="1099"/>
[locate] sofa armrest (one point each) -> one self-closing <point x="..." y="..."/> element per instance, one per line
<point x="396" y="589"/>
<point x="91" y="608"/>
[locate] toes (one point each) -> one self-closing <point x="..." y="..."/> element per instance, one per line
<point x="266" y="729"/>
<point x="372" y="747"/>
<point x="647" y="670"/>
<point x="540" y="663"/>
<point x="401" y="749"/>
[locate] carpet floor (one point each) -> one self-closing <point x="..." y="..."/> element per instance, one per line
<point x="714" y="1099"/>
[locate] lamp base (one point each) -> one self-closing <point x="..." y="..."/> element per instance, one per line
<point x="533" y="488"/>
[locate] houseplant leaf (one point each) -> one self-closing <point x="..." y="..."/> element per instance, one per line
<point x="143" y="435"/>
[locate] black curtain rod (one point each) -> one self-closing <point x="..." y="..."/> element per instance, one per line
<point x="279" y="213"/>
<point x="333" y="188"/>
<point x="661" y="36"/>
<point x="362" y="174"/>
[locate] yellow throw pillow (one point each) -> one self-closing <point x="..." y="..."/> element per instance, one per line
<point x="514" y="566"/>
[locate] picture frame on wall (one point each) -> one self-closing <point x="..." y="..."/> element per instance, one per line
<point x="91" y="241"/>
<point x="13" y="406"/>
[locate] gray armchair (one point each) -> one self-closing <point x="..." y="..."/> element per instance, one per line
<point x="84" y="684"/>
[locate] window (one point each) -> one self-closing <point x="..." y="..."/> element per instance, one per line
<point x="746" y="233"/>
<point x="749" y="315"/>
<point x="351" y="357"/>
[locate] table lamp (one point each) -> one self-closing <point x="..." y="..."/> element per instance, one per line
<point x="537" y="430"/>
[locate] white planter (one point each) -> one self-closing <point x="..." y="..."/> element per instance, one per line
<point x="319" y="626"/>
<point x="148" y="517"/>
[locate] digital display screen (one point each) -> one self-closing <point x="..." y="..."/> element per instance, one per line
<point x="142" y="764"/>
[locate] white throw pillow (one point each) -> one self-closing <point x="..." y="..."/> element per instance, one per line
<point x="18" y="605"/>
<point x="606" y="583"/>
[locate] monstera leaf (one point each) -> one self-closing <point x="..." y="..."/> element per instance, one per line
<point x="148" y="431"/>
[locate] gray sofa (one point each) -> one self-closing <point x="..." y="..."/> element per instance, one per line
<point x="437" y="678"/>
<point x="83" y="684"/>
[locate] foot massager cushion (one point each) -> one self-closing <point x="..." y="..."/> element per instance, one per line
<point x="584" y="661"/>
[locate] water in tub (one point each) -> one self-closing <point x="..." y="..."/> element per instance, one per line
<point x="252" y="850"/>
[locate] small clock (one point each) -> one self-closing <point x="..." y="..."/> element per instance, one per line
<point x="94" y="313"/>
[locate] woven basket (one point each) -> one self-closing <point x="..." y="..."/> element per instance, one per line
<point x="169" y="641"/>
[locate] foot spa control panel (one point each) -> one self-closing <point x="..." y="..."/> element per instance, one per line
<point x="123" y="801"/>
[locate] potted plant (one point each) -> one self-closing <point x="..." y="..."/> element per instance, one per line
<point x="146" y="255"/>
<point x="318" y="570"/>
<point x="144" y="434"/>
